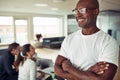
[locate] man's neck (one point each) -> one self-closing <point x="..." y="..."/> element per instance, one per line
<point x="89" y="31"/>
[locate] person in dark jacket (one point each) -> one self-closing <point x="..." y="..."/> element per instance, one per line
<point x="7" y="68"/>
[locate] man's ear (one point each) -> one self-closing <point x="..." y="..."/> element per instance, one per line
<point x="96" y="12"/>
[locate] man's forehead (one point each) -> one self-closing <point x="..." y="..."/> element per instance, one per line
<point x="88" y="3"/>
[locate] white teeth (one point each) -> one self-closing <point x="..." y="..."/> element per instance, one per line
<point x="80" y="20"/>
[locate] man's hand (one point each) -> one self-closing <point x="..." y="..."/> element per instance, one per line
<point x="99" y="68"/>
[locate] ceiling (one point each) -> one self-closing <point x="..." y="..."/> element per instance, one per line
<point x="64" y="6"/>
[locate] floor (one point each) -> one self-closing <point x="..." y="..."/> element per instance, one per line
<point x="47" y="53"/>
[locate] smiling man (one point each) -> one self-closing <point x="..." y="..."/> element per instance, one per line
<point x="89" y="53"/>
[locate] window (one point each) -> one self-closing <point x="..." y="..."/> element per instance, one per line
<point x="6" y="29"/>
<point x="21" y="31"/>
<point x="10" y="32"/>
<point x="47" y="26"/>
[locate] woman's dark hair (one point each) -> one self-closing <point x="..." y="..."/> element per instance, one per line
<point x="21" y="57"/>
<point x="25" y="49"/>
<point x="12" y="46"/>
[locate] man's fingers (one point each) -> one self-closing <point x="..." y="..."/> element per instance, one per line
<point x="99" y="68"/>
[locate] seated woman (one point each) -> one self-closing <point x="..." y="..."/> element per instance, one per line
<point x="26" y="63"/>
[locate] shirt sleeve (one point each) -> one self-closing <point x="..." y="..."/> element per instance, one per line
<point x="33" y="71"/>
<point x="110" y="53"/>
<point x="63" y="49"/>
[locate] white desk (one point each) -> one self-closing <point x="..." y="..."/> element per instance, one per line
<point x="47" y="53"/>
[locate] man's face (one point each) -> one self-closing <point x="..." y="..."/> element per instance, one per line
<point x="85" y="14"/>
<point x="16" y="51"/>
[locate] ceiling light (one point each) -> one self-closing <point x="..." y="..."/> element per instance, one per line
<point x="41" y="5"/>
<point x="58" y="1"/>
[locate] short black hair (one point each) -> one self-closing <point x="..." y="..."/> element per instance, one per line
<point x="13" y="45"/>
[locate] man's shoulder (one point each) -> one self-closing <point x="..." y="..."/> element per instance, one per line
<point x="74" y="34"/>
<point x="2" y="51"/>
<point x="6" y="52"/>
<point x="107" y="38"/>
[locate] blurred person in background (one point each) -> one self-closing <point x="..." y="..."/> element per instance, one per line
<point x="7" y="68"/>
<point x="26" y="63"/>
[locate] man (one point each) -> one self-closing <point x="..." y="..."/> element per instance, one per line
<point x="89" y="53"/>
<point x="7" y="72"/>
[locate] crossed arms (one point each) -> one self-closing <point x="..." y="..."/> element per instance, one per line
<point x="99" y="71"/>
